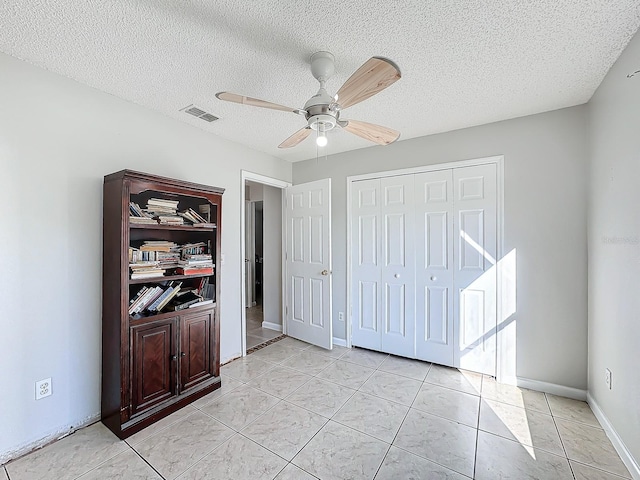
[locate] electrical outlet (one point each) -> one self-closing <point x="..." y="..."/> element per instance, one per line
<point x="43" y="388"/>
<point x="607" y="377"/>
<point x="341" y="316"/>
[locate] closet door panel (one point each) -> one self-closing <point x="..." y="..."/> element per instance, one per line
<point x="398" y="269"/>
<point x="434" y="266"/>
<point x="475" y="200"/>
<point x="366" y="264"/>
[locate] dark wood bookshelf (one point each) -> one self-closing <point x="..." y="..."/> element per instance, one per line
<point x="155" y="363"/>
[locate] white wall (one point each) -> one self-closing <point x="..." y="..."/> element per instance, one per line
<point x="57" y="140"/>
<point x="272" y="263"/>
<point x="545" y="223"/>
<point x="614" y="247"/>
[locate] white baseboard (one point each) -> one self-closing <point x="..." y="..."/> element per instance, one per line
<point x="618" y="444"/>
<point x="552" y="388"/>
<point x="272" y="326"/>
<point x="341" y="342"/>
<point x="51" y="437"/>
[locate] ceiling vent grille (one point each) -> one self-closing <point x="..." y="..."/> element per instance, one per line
<point x="208" y="117"/>
<point x="198" y="112"/>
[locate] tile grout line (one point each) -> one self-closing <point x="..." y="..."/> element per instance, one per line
<point x="555" y="424"/>
<point x="145" y="461"/>
<point x="475" y="453"/>
<point x="413" y="453"/>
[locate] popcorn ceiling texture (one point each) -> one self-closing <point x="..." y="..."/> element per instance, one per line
<point x="463" y="63"/>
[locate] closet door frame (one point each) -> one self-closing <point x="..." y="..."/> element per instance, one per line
<point x="503" y="340"/>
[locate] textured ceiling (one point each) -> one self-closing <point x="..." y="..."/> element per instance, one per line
<point x="463" y="62"/>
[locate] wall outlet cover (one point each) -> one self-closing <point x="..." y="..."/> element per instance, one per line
<point x="43" y="388"/>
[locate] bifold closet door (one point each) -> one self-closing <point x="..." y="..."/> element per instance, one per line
<point x="366" y="266"/>
<point x="475" y="279"/>
<point x="383" y="270"/>
<point x="398" y="265"/>
<point x="434" y="266"/>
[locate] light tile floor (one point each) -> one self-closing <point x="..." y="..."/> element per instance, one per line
<point x="294" y="412"/>
<point x="256" y="334"/>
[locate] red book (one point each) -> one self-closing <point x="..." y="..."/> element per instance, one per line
<point x="195" y="271"/>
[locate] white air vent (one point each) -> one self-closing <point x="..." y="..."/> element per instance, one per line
<point x="198" y="112"/>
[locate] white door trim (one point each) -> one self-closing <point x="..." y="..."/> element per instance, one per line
<point x="499" y="161"/>
<point x="272" y="182"/>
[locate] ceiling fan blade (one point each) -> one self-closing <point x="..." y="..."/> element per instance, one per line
<point x="255" y="102"/>
<point x="375" y="75"/>
<point x="369" y="131"/>
<point x="296" y="138"/>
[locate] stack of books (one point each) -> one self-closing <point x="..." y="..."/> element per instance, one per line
<point x="153" y="258"/>
<point x="165" y="211"/>
<point x="195" y="218"/>
<point x="137" y="215"/>
<point x="194" y="260"/>
<point x="145" y="270"/>
<point x="153" y="299"/>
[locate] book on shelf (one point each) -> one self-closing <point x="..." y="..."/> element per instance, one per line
<point x="170" y="220"/>
<point x="203" y="302"/>
<point x="183" y="300"/>
<point x="161" y="300"/>
<point x="142" y="221"/>
<point x="163" y="202"/>
<point x="139" y="216"/>
<point x="155" y="273"/>
<point x="172" y="292"/>
<point x="205" y="210"/>
<point x="195" y="271"/>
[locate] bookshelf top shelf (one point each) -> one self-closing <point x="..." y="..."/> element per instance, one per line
<point x="164" y="278"/>
<point x="187" y="228"/>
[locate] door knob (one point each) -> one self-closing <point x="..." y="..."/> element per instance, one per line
<point x="433" y="278"/>
<point x="325" y="272"/>
<point x="397" y="275"/>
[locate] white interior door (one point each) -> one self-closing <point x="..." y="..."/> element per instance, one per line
<point x="308" y="262"/>
<point x="366" y="265"/>
<point x="397" y="305"/>
<point x="434" y="266"/>
<point x="475" y="194"/>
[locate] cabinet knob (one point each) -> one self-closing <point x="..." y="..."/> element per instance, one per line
<point x="174" y="357"/>
<point x="183" y="354"/>
<point x="397" y="275"/>
<point x="433" y="278"/>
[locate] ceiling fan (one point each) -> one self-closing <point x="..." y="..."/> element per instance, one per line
<point x="322" y="111"/>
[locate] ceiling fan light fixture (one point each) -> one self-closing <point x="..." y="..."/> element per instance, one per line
<point x="321" y="139"/>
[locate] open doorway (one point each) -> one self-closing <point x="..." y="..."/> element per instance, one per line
<point x="262" y="261"/>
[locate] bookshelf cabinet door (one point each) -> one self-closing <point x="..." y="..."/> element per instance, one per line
<point x="195" y="348"/>
<point x="154" y="364"/>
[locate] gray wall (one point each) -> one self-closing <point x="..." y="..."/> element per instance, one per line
<point x="51" y="170"/>
<point x="272" y="265"/>
<point x="614" y="247"/>
<point x="545" y="165"/>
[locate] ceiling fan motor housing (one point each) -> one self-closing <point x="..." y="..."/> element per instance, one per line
<point x="320" y="111"/>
